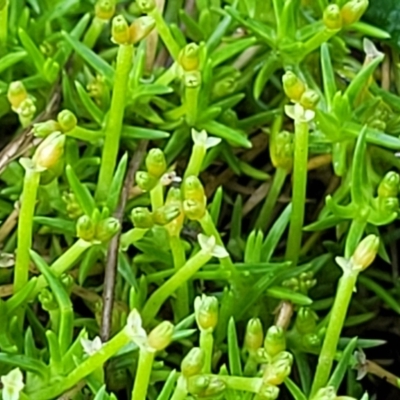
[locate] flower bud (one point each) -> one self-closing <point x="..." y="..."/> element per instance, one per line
<point x="388" y="204"/>
<point x="275" y="341"/>
<point x="311" y="341"/>
<point x="146" y="181"/>
<point x="193" y="363"/>
<point x="365" y="252"/>
<point x="281" y="150"/>
<point x="206" y="312"/>
<point x="67" y="120"/>
<point x="74" y="209"/>
<point x="142" y="218"/>
<point x="16" y="94"/>
<point x="193" y="189"/>
<point x="332" y="17"/>
<point x="205" y="386"/>
<point x="155" y="163"/>
<point x="106" y="229"/>
<point x="293" y="86"/>
<point x="26" y="111"/>
<point x="146" y="6"/>
<point x="13" y="383"/>
<point x="224" y="87"/>
<point x="44" y="129"/>
<point x="52" y="173"/>
<point x="192" y="79"/>
<point x="120" y="30"/>
<point x="140" y="28"/>
<point x="50" y="151"/>
<point x="85" y="228"/>
<point x="277" y="371"/>
<point x="189" y="58"/>
<point x="194" y="210"/>
<point x="389" y="186"/>
<point x="47" y="300"/>
<point x="164" y="215"/>
<point x="268" y="392"/>
<point x="254" y="335"/>
<point x="104" y="9"/>
<point x="328" y="393"/>
<point x="309" y="99"/>
<point x="161" y="336"/>
<point x="306" y="320"/>
<point x="353" y="10"/>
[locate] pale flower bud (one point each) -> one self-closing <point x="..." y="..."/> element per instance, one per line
<point x="365" y="252"/>
<point x="206" y="312"/>
<point x="193" y="363"/>
<point x="50" y="151"/>
<point x="161" y="336"/>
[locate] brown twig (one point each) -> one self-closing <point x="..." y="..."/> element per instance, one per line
<point x="112" y="253"/>
<point x="375" y="369"/>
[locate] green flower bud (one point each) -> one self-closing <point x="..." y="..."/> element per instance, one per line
<point x="47" y="300"/>
<point x="328" y="393"/>
<point x="50" y="151"/>
<point x="164" y="215"/>
<point x="309" y="99"/>
<point x="13" y="383"/>
<point x="206" y="312"/>
<point x="44" y="129"/>
<point x="353" y="10"/>
<point x="85" y="228"/>
<point x="193" y="189"/>
<point x="281" y="150"/>
<point x="389" y="186"/>
<point x="26" y="111"/>
<point x="174" y="199"/>
<point x="146" y="181"/>
<point x="140" y="28"/>
<point x="16" y="94"/>
<point x="254" y="335"/>
<point x="189" y="57"/>
<point x="142" y="218"/>
<point x="74" y="209"/>
<point x="275" y="341"/>
<point x="268" y="392"/>
<point x="54" y="172"/>
<point x="99" y="91"/>
<point x="306" y="321"/>
<point x="225" y="86"/>
<point x="120" y="30"/>
<point x="67" y="120"/>
<point x="51" y="69"/>
<point x="306" y="281"/>
<point x="104" y="9"/>
<point x="293" y="86"/>
<point x="388" y="204"/>
<point x="161" y="336"/>
<point x="205" y="386"/>
<point x="193" y="363"/>
<point x="311" y="341"/>
<point x="155" y="163"/>
<point x="332" y="17"/>
<point x="276" y="372"/>
<point x="146" y="6"/>
<point x="194" y="209"/>
<point x="106" y="229"/>
<point x="365" y="252"/>
<point x="192" y="79"/>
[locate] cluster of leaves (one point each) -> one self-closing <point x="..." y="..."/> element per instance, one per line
<point x="147" y="153"/>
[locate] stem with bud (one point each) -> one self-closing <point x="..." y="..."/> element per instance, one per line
<point x="143" y="371"/>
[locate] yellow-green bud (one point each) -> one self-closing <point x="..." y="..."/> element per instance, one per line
<point x="275" y="341"/>
<point x="50" y="151"/>
<point x="254" y="335"/>
<point x="47" y="300"/>
<point x="44" y="129"/>
<point x="206" y="312"/>
<point x="389" y="186"/>
<point x="174" y="199"/>
<point x="277" y="371"/>
<point x="388" y="204"/>
<point x="74" y="210"/>
<point x="268" y="392"/>
<point x="140" y="28"/>
<point x="293" y="86"/>
<point x="145" y="181"/>
<point x="104" y="9"/>
<point x="205" y="386"/>
<point x="146" y="6"/>
<point x="142" y="218"/>
<point x="106" y="229"/>
<point x="85" y="228"/>
<point x="309" y="99"/>
<point x="67" y="120"/>
<point x="194" y="209"/>
<point x="189" y="58"/>
<point x="192" y="79"/>
<point x="155" y="163"/>
<point x="306" y="321"/>
<point x="281" y="150"/>
<point x="353" y="10"/>
<point x="365" y="252"/>
<point x="193" y="189"/>
<point x="193" y="363"/>
<point x="332" y="17"/>
<point x="26" y="111"/>
<point x="161" y="336"/>
<point x="16" y="94"/>
<point x="120" y="31"/>
<point x="328" y="393"/>
<point x="164" y="215"/>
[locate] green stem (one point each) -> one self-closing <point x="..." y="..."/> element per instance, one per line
<point x="354" y="236"/>
<point x="318" y="39"/>
<point x="180" y="277"/>
<point x="207" y="344"/>
<point x="336" y="321"/>
<point x="264" y="217"/>
<point x="165" y="33"/>
<point x="168" y="76"/>
<point x="87" y="135"/>
<point x="191" y="103"/>
<point x="182" y="298"/>
<point x="4" y="28"/>
<point x="299" y="191"/>
<point x="94" y="31"/>
<point x="114" y="121"/>
<point x="25" y="227"/>
<point x="157" y="196"/>
<point x="180" y="392"/>
<point x="143" y="372"/>
<point x="196" y="160"/>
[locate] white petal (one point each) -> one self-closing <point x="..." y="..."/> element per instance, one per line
<point x="308" y="115"/>
<point x="220" y="252"/>
<point x="207" y="243"/>
<point x="212" y="141"/>
<point x="370" y="50"/>
<point x="13" y="383"/>
<point x="290" y="112"/>
<point x="134" y="321"/>
<point x="343" y="263"/>
<point x="90" y="347"/>
<point x="199" y="137"/>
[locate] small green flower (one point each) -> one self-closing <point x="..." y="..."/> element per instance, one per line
<point x="254" y="335"/>
<point x="120" y="31"/>
<point x="49" y="152"/>
<point x="67" y="120"/>
<point x="332" y="17"/>
<point x="104" y="9"/>
<point x="206" y="312"/>
<point x="353" y="10"/>
<point x="161" y="336"/>
<point x="155" y="163"/>
<point x="275" y="341"/>
<point x="193" y="362"/>
<point x="13" y="383"/>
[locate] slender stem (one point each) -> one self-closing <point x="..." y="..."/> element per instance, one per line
<point x="180" y="392"/>
<point x="114" y="121"/>
<point x="86" y="135"/>
<point x="357" y="228"/>
<point x="182" y="299"/>
<point x="191" y="103"/>
<point x="25" y="226"/>
<point x="264" y="217"/>
<point x="207" y="344"/>
<point x="3" y="27"/>
<point x="143" y="372"/>
<point x="336" y="321"/>
<point x="319" y="38"/>
<point x="181" y="276"/>
<point x="196" y="160"/>
<point x="157" y="196"/>
<point x="94" y="31"/>
<point x="299" y="192"/>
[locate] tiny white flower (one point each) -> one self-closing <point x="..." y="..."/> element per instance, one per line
<point x="91" y="347"/>
<point x="370" y="49"/>
<point x="170" y="177"/>
<point x="208" y="245"/>
<point x="298" y="113"/>
<point x="202" y="139"/>
<point x="135" y="328"/>
<point x="13" y="383"/>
